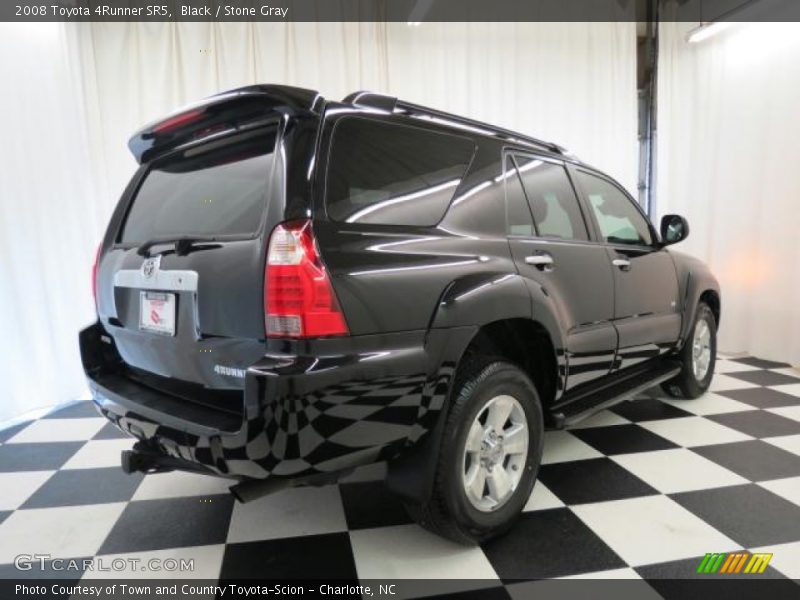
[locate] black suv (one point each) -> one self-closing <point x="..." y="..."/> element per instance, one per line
<point x="292" y="287"/>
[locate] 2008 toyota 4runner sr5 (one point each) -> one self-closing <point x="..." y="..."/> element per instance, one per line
<point x="292" y="287"/>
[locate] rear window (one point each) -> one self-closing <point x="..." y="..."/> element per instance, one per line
<point x="393" y="174"/>
<point x="208" y="191"/>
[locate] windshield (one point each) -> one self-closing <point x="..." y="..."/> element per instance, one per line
<point x="209" y="191"/>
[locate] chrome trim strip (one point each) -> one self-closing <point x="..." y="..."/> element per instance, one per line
<point x="170" y="281"/>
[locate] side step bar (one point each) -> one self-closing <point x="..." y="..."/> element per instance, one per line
<point x="612" y="390"/>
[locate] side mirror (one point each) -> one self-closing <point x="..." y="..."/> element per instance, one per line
<point x="674" y="229"/>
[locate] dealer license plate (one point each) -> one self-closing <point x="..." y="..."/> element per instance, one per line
<point x="157" y="312"/>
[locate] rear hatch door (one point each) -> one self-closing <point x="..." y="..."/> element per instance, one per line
<point x="181" y="288"/>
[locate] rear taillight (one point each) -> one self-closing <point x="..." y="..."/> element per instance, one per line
<point x="94" y="274"/>
<point x="300" y="301"/>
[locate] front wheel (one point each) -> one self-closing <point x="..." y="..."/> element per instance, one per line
<point x="489" y="457"/>
<point x="698" y="357"/>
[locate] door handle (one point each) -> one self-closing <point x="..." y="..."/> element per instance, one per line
<point x="623" y="264"/>
<point x="542" y="260"/>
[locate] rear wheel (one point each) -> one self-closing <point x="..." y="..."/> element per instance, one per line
<point x="490" y="454"/>
<point x="698" y="357"/>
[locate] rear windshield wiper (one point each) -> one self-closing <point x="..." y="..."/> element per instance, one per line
<point x="181" y="245"/>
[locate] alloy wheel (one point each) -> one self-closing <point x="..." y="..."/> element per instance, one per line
<point x="495" y="453"/>
<point x="701" y="350"/>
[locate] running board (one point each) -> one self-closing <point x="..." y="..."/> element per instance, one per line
<point x="610" y="391"/>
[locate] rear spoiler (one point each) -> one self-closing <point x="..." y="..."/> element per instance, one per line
<point x="235" y="110"/>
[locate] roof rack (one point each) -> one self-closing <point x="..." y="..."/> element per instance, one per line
<point x="392" y="104"/>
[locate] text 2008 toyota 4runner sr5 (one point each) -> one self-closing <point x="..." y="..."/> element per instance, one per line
<point x="292" y="287"/>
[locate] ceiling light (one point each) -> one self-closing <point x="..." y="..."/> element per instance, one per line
<point x="706" y="30"/>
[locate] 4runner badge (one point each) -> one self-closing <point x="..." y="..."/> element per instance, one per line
<point x="229" y="371"/>
<point x="150" y="266"/>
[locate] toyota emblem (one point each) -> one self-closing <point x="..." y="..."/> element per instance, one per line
<point x="149" y="267"/>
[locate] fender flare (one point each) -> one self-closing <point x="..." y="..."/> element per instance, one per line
<point x="695" y="280"/>
<point x="465" y="306"/>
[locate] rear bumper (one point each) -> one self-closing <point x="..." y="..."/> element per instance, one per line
<point x="311" y="409"/>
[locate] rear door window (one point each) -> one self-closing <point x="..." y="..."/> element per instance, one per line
<point x="518" y="215"/>
<point x="216" y="191"/>
<point x="388" y="173"/>
<point x="552" y="199"/>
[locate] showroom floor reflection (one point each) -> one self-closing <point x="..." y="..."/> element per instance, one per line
<point x="642" y="490"/>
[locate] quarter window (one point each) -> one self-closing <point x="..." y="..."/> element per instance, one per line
<point x="393" y="174"/>
<point x="619" y="220"/>
<point x="552" y="199"/>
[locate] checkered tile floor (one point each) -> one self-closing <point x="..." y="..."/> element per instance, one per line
<point x="640" y="491"/>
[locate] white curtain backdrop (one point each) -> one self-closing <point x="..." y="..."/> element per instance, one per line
<point x="728" y="157"/>
<point x="50" y="218"/>
<point x="80" y="90"/>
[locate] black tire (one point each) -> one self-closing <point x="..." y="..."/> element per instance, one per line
<point x="449" y="512"/>
<point x="685" y="384"/>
